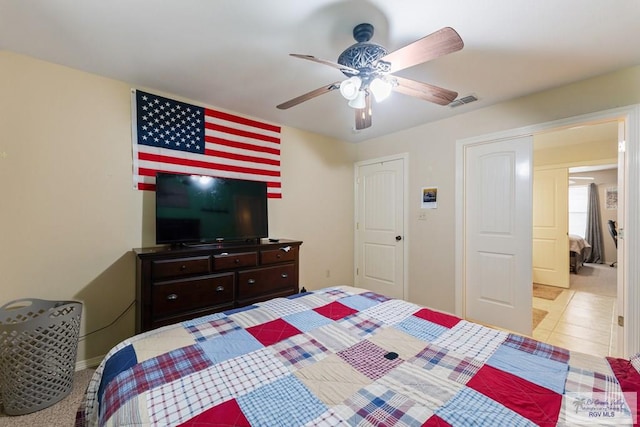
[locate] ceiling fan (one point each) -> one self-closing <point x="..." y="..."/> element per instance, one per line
<point x="369" y="69"/>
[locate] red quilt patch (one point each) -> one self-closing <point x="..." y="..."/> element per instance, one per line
<point x="539" y="404"/>
<point x="224" y="415"/>
<point x="629" y="380"/>
<point x="435" y="421"/>
<point x="335" y="310"/>
<point x="442" y="319"/>
<point x="272" y="332"/>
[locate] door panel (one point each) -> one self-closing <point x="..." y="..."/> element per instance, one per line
<point x="550" y="227"/>
<point x="497" y="230"/>
<point x="380" y="211"/>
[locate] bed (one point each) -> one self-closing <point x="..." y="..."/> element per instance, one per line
<point x="345" y="356"/>
<point x="579" y="251"/>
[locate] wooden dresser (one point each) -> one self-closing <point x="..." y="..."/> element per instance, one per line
<point x="176" y="284"/>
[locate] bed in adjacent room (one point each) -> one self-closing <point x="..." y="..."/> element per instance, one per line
<point x="579" y="251"/>
<point x="346" y="356"/>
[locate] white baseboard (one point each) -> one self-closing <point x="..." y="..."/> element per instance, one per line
<point x="89" y="363"/>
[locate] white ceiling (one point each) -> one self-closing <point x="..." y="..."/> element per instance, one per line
<point x="233" y="54"/>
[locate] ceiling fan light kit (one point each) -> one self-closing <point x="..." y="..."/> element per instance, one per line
<point x="353" y="88"/>
<point x="350" y="87"/>
<point x="359" y="101"/>
<point x="368" y="67"/>
<point x="381" y="88"/>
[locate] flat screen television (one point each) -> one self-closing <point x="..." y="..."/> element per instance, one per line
<point x="193" y="209"/>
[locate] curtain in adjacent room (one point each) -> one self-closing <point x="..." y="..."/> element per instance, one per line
<point x="593" y="234"/>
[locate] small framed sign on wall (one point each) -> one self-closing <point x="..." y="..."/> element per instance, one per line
<point x="611" y="197"/>
<point x="429" y="198"/>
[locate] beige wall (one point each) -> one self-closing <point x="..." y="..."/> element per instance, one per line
<point x="431" y="149"/>
<point x="587" y="154"/>
<point x="69" y="216"/>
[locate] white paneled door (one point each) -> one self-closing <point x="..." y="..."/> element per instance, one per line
<point x="497" y="230"/>
<point x="550" y="227"/>
<point x="380" y="237"/>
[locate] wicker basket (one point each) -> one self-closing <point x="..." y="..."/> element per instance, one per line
<point x="38" y="346"/>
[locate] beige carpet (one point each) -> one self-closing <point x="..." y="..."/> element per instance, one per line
<point x="546" y="292"/>
<point x="599" y="279"/>
<point x="538" y="315"/>
<point x="62" y="414"/>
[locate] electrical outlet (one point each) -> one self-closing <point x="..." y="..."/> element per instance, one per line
<point x="422" y="216"/>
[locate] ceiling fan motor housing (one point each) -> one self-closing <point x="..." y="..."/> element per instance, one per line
<point x="363" y="55"/>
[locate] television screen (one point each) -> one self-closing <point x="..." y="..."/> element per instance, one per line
<point x="201" y="209"/>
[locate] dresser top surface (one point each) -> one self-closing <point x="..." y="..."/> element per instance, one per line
<point x="217" y="246"/>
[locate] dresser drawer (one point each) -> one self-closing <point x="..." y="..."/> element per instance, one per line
<point x="177" y="267"/>
<point x="274" y="256"/>
<point x="188" y="294"/>
<point x="226" y="261"/>
<point x="174" y="284"/>
<point x="261" y="281"/>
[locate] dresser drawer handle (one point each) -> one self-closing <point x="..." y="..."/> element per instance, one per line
<point x="220" y="288"/>
<point x="183" y="267"/>
<point x="172" y="297"/>
<point x="251" y="282"/>
<point x="237" y="261"/>
<point x="279" y="256"/>
<point x="284" y="275"/>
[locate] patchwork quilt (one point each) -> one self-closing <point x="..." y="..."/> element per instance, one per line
<point x="345" y="356"/>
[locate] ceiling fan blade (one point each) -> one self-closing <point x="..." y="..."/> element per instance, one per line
<point x="424" y="91"/>
<point x="309" y="95"/>
<point x="340" y="67"/>
<point x="363" y="115"/>
<point x="444" y="41"/>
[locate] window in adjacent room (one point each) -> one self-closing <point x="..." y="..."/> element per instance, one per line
<point x="578" y="200"/>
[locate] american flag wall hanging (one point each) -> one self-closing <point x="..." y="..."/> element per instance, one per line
<point x="173" y="136"/>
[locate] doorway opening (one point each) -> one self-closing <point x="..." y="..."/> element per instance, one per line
<point x="577" y="311"/>
<point x="627" y="313"/>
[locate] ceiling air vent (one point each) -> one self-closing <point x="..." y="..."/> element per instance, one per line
<point x="461" y="101"/>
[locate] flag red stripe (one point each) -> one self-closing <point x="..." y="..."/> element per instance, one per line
<point x="239" y="132"/>
<point x="241" y="120"/>
<point x="241" y="157"/>
<point x="152" y="187"/>
<point x="145" y="186"/>
<point x="242" y="145"/>
<point x="152" y="173"/>
<point x="201" y="164"/>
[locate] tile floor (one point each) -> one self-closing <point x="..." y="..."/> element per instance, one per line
<point x="580" y="321"/>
